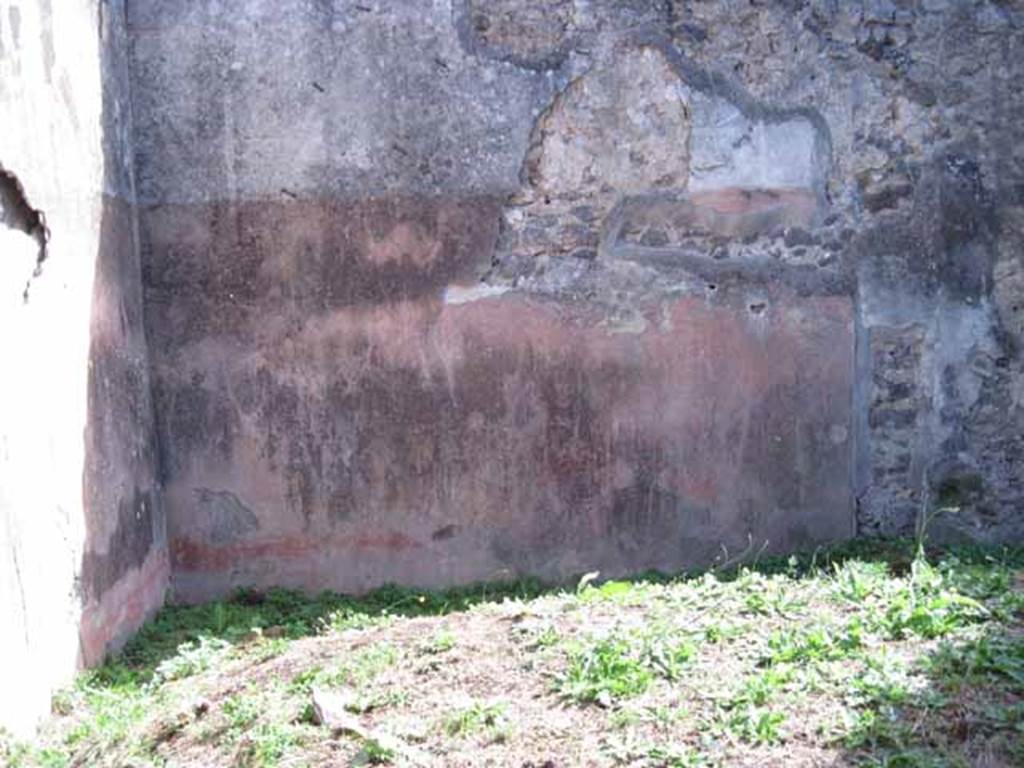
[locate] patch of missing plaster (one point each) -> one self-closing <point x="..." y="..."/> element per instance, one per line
<point x="628" y="321"/>
<point x="457" y="294"/>
<point x="713" y="217"/>
<point x="17" y="214"/>
<point x="533" y="34"/>
<point x="619" y="129"/>
<point x="226" y="516"/>
<point x="644" y="157"/>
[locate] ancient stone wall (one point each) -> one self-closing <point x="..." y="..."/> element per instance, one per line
<point x="924" y="119"/>
<point x="443" y="291"/>
<point x="440" y="292"/>
<point x="83" y="559"/>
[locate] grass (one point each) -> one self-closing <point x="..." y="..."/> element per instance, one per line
<point x="491" y="718"/>
<point x="863" y="655"/>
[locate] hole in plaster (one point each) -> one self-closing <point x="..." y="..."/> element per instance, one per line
<point x="17" y="214"/>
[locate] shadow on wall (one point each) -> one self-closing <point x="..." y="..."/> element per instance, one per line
<point x="124" y="568"/>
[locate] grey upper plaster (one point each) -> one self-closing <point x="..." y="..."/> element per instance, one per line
<point x="356" y="100"/>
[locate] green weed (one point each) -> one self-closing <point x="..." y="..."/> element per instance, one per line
<point x="241" y="711"/>
<point x="266" y="744"/>
<point x="668" y="657"/>
<point x="603" y="671"/>
<point x="855" y="581"/>
<point x="759" y="689"/>
<point x="666" y="756"/>
<point x="366" y="665"/>
<point x="755" y="725"/>
<point x="192" y="657"/>
<point x="816" y="644"/>
<point x="546" y="638"/>
<point x="490" y="717"/>
<point x="610" y="590"/>
<point x="377" y="753"/>
<point x="441" y="642"/>
<point x="978" y="659"/>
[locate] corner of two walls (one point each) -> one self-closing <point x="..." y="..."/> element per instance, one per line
<point x="125" y="568"/>
<point x="83" y="558"/>
<point x="570" y="285"/>
<point x="565" y="285"/>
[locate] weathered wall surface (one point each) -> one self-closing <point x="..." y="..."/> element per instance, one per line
<point x="924" y="115"/>
<point x="441" y="290"/>
<point x="450" y="314"/>
<point x="448" y="290"/>
<point x="82" y="553"/>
